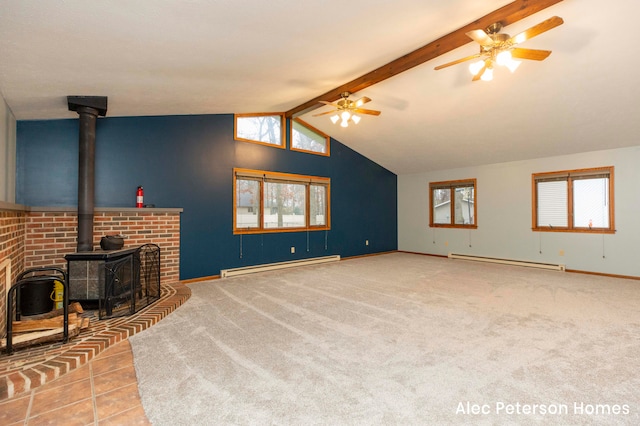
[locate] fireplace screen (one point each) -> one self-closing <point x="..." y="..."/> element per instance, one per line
<point x="130" y="283"/>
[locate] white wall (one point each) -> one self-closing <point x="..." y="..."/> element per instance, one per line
<point x="504" y="215"/>
<point x="7" y="153"/>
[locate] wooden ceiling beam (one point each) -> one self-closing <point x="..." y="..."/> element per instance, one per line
<point x="512" y="12"/>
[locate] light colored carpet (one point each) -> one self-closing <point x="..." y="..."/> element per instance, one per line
<point x="397" y="339"/>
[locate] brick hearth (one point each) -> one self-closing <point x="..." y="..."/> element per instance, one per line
<point x="29" y="368"/>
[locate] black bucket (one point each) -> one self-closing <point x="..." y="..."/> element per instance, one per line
<point x="35" y="296"/>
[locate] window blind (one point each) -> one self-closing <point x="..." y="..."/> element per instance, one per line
<point x="552" y="203"/>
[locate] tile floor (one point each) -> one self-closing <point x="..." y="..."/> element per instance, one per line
<point x="102" y="392"/>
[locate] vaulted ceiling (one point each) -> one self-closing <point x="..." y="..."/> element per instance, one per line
<point x="199" y="57"/>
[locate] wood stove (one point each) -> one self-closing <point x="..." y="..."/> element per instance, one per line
<point x="119" y="282"/>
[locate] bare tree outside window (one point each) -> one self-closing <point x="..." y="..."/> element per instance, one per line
<point x="318" y="205"/>
<point x="260" y="128"/>
<point x="272" y="201"/>
<point x="284" y="205"/>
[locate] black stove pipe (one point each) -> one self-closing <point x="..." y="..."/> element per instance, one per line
<point x="86" y="177"/>
<point x="88" y="109"/>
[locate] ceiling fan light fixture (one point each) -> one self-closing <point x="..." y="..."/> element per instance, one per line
<point x="513" y="65"/>
<point x="345" y="123"/>
<point x="503" y="58"/>
<point x="475" y="67"/>
<point x="334" y="118"/>
<point x="487" y="75"/>
<point x="345" y="115"/>
<point x="355" y="119"/>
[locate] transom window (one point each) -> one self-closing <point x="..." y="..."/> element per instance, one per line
<point x="279" y="202"/>
<point x="574" y="200"/>
<point x="453" y="204"/>
<point x="266" y="129"/>
<point x="307" y="138"/>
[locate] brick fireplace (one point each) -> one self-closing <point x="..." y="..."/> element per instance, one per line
<point x="35" y="237"/>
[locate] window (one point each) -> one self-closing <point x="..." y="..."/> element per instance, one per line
<point x="247" y="203"/>
<point x="279" y="202"/>
<point x="318" y="205"/>
<point x="266" y="129"/>
<point x="453" y="204"/>
<point x="574" y="200"/>
<point x="286" y="202"/>
<point x="306" y="138"/>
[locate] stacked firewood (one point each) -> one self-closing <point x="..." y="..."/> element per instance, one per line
<point x="41" y="328"/>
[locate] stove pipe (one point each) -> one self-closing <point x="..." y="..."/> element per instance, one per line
<point x="88" y="109"/>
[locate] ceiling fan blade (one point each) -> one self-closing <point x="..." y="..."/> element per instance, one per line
<point x="448" y="64"/>
<point x="324" y="113"/>
<point x="537" y="30"/>
<point x="363" y="100"/>
<point x="480" y="37"/>
<point x="366" y="111"/>
<point x="533" y="54"/>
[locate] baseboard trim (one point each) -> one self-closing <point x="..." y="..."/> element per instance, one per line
<point x="443" y="256"/>
<point x="252" y="269"/>
<point x="573" y="271"/>
<point x="200" y="279"/>
<point x="604" y="274"/>
<point x="512" y="262"/>
<point x="368" y="255"/>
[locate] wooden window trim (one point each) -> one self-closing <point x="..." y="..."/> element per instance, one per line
<point x="453" y="184"/>
<point x="283" y="143"/>
<point x="263" y="176"/>
<point x="569" y="176"/>
<point x="313" y="129"/>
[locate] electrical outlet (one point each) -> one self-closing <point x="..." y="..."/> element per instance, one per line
<point x="561" y="253"/>
<point x="446" y="243"/>
<point x="366" y="242"/>
<point x="293" y="250"/>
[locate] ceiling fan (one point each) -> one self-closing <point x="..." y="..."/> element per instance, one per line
<point x="347" y="110"/>
<point x="500" y="49"/>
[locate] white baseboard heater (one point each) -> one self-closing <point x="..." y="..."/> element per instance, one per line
<point x="551" y="266"/>
<point x="225" y="273"/>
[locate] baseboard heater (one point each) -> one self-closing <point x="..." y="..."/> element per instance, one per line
<point x="551" y="266"/>
<point x="225" y="273"/>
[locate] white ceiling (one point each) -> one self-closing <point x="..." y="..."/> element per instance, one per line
<point x="164" y="57"/>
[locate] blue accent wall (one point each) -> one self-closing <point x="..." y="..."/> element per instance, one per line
<point x="187" y="161"/>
